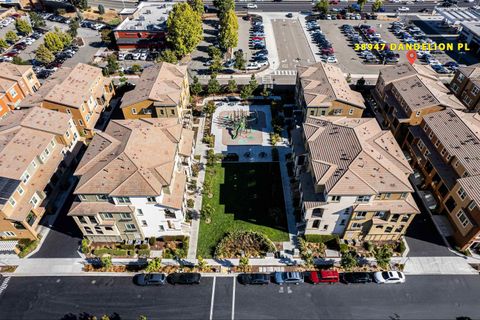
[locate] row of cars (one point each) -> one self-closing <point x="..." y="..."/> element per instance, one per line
<point x="257" y="42"/>
<point x="312" y="277"/>
<point x="325" y="46"/>
<point x="54" y="17"/>
<point x="141" y="54"/>
<point x="7" y="21"/>
<point x="44" y="71"/>
<point x="21" y="45"/>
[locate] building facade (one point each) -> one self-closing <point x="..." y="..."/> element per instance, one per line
<point x="352" y="180"/>
<point x="445" y="149"/>
<point x="321" y="90"/>
<point x="406" y="93"/>
<point x="466" y="86"/>
<point x="81" y="92"/>
<point x="133" y="181"/>
<point x="16" y="82"/>
<point x="161" y="92"/>
<point x="35" y="151"/>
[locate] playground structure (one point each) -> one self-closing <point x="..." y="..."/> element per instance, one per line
<point x="239" y="122"/>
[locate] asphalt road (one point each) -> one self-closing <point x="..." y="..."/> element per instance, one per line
<point x="421" y="297"/>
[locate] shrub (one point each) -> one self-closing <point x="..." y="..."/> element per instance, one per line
<point x="154" y="265"/>
<point x="152" y="241"/>
<point x="144" y="253"/>
<point x="119" y="252"/>
<point x="319" y="238"/>
<point x="349" y="259"/>
<point x="26" y="246"/>
<point x="343" y="247"/>
<point x="244" y="243"/>
<point x="85" y="246"/>
<point x="127" y="246"/>
<point x="201" y="264"/>
<point x="195" y="169"/>
<point x="368" y="246"/>
<point x="190" y="203"/>
<point x="401" y="247"/>
<point x="106" y="262"/>
<point x="102" y="251"/>
<point x="382" y="255"/>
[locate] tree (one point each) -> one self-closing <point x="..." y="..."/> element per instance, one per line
<point x="142" y="317"/>
<point x="169" y="56"/>
<point x="197" y="6"/>
<point x="196" y="87"/>
<point x="246" y="92"/>
<point x="11" y="36"/>
<point x="112" y="64"/>
<point x="253" y="84"/>
<point x="44" y="55"/>
<point x="322" y="6"/>
<point x="106" y="262"/>
<point x="232" y="86"/>
<point x="184" y="29"/>
<point x="377" y="5"/>
<point x="135" y="68"/>
<point x="207" y="212"/>
<point x="154" y="265"/>
<point x="73" y="28"/>
<point x="101" y="9"/>
<point x="349" y="260"/>
<point x="36" y="20"/>
<point x="210" y="107"/>
<point x="349" y="78"/>
<point x="23" y="26"/>
<point x="64" y="37"/>
<point x="3" y="44"/>
<point x="201" y="264"/>
<point x="106" y="36"/>
<point x="213" y="87"/>
<point x="224" y="6"/>
<point x="213" y="52"/>
<point x="81" y="4"/>
<point x="228" y="36"/>
<point x="382" y="255"/>
<point x="53" y="42"/>
<point x="216" y="64"/>
<point x="244" y="264"/>
<point x="18" y="60"/>
<point x="239" y="60"/>
<point x="361" y="3"/>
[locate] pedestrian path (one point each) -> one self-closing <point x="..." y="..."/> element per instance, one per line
<point x="438" y="265"/>
<point x="4" y="285"/>
<point x="284" y="72"/>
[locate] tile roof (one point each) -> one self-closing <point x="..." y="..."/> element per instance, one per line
<point x="394" y="206"/>
<point x="354" y="156"/>
<point x="79" y="208"/>
<point x="161" y="83"/>
<point x="13" y="71"/>
<point x="323" y="83"/>
<point x="131" y="158"/>
<point x="471" y="185"/>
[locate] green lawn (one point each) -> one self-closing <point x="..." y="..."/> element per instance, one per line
<point x="247" y="196"/>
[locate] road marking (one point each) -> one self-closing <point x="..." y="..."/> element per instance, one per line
<point x="281" y="290"/>
<point x="4" y="284"/>
<point x="289" y="290"/>
<point x="233" y="297"/>
<point x="213" y="298"/>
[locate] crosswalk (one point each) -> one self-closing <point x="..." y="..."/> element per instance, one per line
<point x="284" y="72"/>
<point x="4" y="284"/>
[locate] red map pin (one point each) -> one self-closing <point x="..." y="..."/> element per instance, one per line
<point x="411" y="56"/>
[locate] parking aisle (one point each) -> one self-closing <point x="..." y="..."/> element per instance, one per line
<point x="223" y="298"/>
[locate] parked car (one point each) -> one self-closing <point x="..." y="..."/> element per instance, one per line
<point x="330" y="59"/>
<point x="389" y="277"/>
<point x="254" y="278"/>
<point x="253" y="66"/>
<point x="429" y="199"/>
<point x="287" y="277"/>
<point x="403" y="9"/>
<point x="252" y="6"/>
<point x="289" y="15"/>
<point x="323" y="276"/>
<point x="184" y="278"/>
<point x="356" y="277"/>
<point x="150" y="279"/>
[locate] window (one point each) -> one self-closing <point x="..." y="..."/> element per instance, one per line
<point x="399" y="229"/>
<point x="403" y="195"/>
<point x="101" y="197"/>
<point x="356" y="226"/>
<point x="388" y="229"/>
<point x="147" y="111"/>
<point x="13" y="93"/>
<point x="437" y="143"/>
<point x="418" y="113"/>
<point x="342" y="222"/>
<point x="87" y="117"/>
<point x="316" y="224"/>
<point x="52" y="143"/>
<point x="151" y="199"/>
<point x="420" y="144"/>
<point x="387" y="195"/>
<point x="80" y="122"/>
<point x="123" y="200"/>
<point x="82" y="197"/>
<point x="325" y="227"/>
<point x="161" y="228"/>
<point x="162" y="112"/>
<point x="82" y="219"/>
<point x="20" y="190"/>
<point x="88" y="230"/>
<point x="454" y="87"/>
<point x="169" y="214"/>
<point x="450" y="204"/>
<point x="25" y="177"/>
<point x="475" y="90"/>
<point x="47" y="152"/>
<point x="67" y="134"/>
<point x="360" y="214"/>
<point x="34" y="201"/>
<point x="130" y="227"/>
<point x="317" y="212"/>
<point x="350" y="112"/>
<point x="430" y="135"/>
<point x="92" y="219"/>
<point x="405" y="218"/>
<point x="107" y="215"/>
<point x="462" y="217"/>
<point x="461" y="193"/>
<point x="34" y="163"/>
<point x="140" y="212"/>
<point x="9" y="234"/>
<point x="337" y="112"/>
<point x="335" y="198"/>
<point x="363" y="199"/>
<point x="172" y="112"/>
<point x="108" y="229"/>
<point x="144" y="223"/>
<point x="467" y="100"/>
<point x="134" y="111"/>
<point x="98" y="230"/>
<point x="460" y="77"/>
<point x="395" y="217"/>
<point x="125" y="216"/>
<point x="68" y="111"/>
<point x="471" y="206"/>
<point x="379" y="214"/>
<point x="12" y="202"/>
<point x="75" y="136"/>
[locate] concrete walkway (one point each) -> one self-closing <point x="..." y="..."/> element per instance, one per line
<point x="438" y="265"/>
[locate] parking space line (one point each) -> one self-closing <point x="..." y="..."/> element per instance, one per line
<point x="213" y="298"/>
<point x="233" y="297"/>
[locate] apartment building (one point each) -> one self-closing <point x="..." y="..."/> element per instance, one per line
<point x="445" y="148"/>
<point x="353" y="179"/>
<point x="81" y="92"/>
<point x="35" y="146"/>
<point x="321" y="90"/>
<point x="161" y="92"/>
<point x="132" y="181"/>
<point x="406" y="93"/>
<point x="466" y="86"/>
<point x="16" y="82"/>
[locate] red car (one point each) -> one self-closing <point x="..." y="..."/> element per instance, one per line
<point x="334" y="2"/>
<point x="258" y="38"/>
<point x="324" y="276"/>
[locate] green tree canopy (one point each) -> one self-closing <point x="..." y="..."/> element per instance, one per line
<point x="322" y="6"/>
<point x="197" y="6"/>
<point x="36" y="20"/>
<point x="228" y="36"/>
<point x="65" y="37"/>
<point x="361" y="3"/>
<point x="73" y="28"/>
<point x="239" y="60"/>
<point x="253" y="84"/>
<point x="11" y="36"/>
<point x="43" y="54"/>
<point x="169" y="56"/>
<point x="349" y="260"/>
<point x="101" y="9"/>
<point x="81" y="4"/>
<point x="196" y="87"/>
<point x="213" y="86"/>
<point x="184" y="29"/>
<point x="23" y="26"/>
<point x="377" y="5"/>
<point x="232" y="86"/>
<point x="112" y="64"/>
<point x="53" y="42"/>
<point x="224" y="6"/>
<point x="3" y="44"/>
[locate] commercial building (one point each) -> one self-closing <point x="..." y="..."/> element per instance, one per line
<point x="406" y="93"/>
<point x="321" y="90"/>
<point x="143" y="27"/>
<point x="162" y="91"/>
<point x="352" y="180"/>
<point x="132" y="181"/>
<point x="16" y="82"/>
<point x="34" y="152"/>
<point x="81" y="92"/>
<point x="445" y="148"/>
<point x="466" y="86"/>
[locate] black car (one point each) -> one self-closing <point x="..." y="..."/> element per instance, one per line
<point x="356" y="277"/>
<point x="424" y="10"/>
<point x="184" y="278"/>
<point x="150" y="279"/>
<point x="254" y="278"/>
<point x="289" y="15"/>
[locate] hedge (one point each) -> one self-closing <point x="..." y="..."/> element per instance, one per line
<point x="144" y="253"/>
<point x="320" y="238"/>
